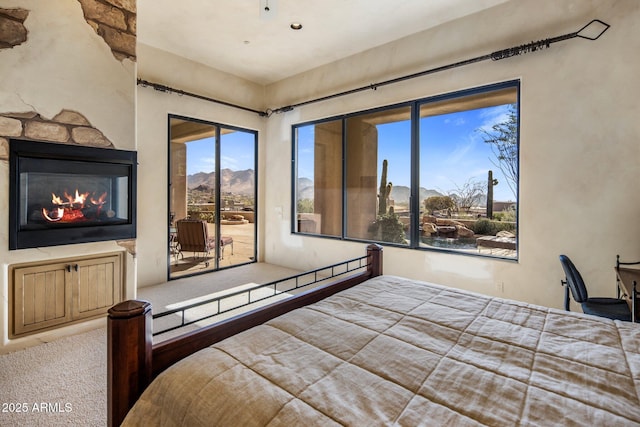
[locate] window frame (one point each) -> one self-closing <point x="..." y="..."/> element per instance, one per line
<point x="414" y="202"/>
<point x="218" y="126"/>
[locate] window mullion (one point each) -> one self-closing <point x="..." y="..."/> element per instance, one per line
<point x="414" y="202"/>
<point x="344" y="178"/>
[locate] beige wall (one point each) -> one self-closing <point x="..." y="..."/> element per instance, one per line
<point x="63" y="64"/>
<point x="153" y="108"/>
<point x="579" y="142"/>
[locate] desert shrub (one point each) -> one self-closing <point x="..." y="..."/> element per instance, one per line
<point x="208" y="216"/>
<point x="506" y="215"/>
<point x="305" y="206"/>
<point x="488" y="227"/>
<point x="387" y="228"/>
<point x="482" y="226"/>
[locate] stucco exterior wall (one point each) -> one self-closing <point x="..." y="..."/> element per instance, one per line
<point x="579" y="151"/>
<point x="63" y="65"/>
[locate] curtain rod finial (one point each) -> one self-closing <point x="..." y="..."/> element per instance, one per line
<point x="593" y="30"/>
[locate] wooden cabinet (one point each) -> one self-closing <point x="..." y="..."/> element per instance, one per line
<point x="59" y="292"/>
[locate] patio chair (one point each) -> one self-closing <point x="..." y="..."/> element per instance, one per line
<point x="193" y="236"/>
<point x="225" y="241"/>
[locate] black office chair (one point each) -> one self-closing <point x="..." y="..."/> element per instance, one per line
<point x="611" y="308"/>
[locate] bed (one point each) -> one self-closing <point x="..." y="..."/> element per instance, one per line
<point x="383" y="350"/>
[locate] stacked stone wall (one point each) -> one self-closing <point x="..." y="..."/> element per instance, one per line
<point x="68" y="127"/>
<point x="114" y="21"/>
<point x="12" y="29"/>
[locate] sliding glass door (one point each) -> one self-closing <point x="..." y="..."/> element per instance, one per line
<point x="212" y="196"/>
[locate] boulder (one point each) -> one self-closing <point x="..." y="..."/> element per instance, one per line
<point x="429" y="228"/>
<point x="446" y="230"/>
<point x="429" y="218"/>
<point x="464" y="231"/>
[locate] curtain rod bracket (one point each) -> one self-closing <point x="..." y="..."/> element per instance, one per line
<point x="283" y="109"/>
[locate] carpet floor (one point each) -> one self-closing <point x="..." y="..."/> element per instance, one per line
<point x="60" y="383"/>
<point x="64" y="382"/>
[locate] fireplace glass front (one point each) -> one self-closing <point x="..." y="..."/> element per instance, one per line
<point x="68" y="194"/>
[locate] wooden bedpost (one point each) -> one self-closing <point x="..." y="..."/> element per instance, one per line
<point x="129" y="347"/>
<point x="374" y="252"/>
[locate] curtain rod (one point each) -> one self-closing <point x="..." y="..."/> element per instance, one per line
<point x="495" y="56"/>
<point x="592" y="31"/>
<point x="167" y="89"/>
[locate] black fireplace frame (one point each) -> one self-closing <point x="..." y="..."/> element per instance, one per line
<point x="23" y="239"/>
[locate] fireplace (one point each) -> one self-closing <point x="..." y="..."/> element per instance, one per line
<point x="62" y="194"/>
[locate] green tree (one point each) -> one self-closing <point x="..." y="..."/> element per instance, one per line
<point x="438" y="203"/>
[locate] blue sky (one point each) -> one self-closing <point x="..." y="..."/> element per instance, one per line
<point x="237" y="152"/>
<point x="452" y="151"/>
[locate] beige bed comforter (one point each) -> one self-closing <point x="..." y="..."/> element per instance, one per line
<point x="393" y="351"/>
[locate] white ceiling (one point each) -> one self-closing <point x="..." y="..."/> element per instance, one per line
<point x="241" y="38"/>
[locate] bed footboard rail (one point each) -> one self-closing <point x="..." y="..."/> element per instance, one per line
<point x="211" y="309"/>
<point x="133" y="361"/>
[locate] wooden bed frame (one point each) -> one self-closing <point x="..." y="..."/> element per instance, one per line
<point x="133" y="360"/>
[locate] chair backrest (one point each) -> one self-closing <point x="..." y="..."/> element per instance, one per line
<point x="192" y="235"/>
<point x="574" y="280"/>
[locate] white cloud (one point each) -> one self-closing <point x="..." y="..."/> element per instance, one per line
<point x="459" y="121"/>
<point x="493" y="116"/>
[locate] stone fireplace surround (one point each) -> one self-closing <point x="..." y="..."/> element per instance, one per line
<point x="67" y="127"/>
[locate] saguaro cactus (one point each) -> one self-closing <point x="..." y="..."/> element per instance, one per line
<point x="490" y="183"/>
<point x="384" y="191"/>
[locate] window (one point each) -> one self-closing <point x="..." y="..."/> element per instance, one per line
<point x="212" y="179"/>
<point x="319" y="182"/>
<point x="439" y="173"/>
<point x="378" y="154"/>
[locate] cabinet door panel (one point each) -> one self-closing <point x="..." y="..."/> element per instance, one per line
<point x="99" y="286"/>
<point x="41" y="298"/>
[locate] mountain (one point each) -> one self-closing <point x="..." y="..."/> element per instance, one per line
<point x="305" y="188"/>
<point x="236" y="182"/>
<point x="399" y="193"/>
